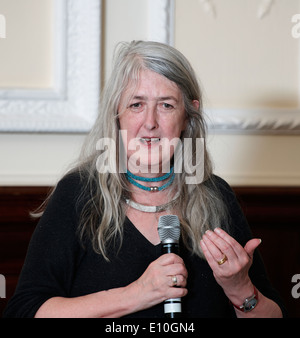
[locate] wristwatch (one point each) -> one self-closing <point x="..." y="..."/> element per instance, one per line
<point x="249" y="303"/>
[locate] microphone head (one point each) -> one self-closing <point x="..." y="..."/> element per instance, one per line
<point x="169" y="229"/>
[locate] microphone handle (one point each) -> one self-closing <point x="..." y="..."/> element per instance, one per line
<point x="170" y="248"/>
<point x="174" y="302"/>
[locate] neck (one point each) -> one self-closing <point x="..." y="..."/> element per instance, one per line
<point x="150" y="171"/>
<point x="158" y="177"/>
<point x="164" y="180"/>
<point x="151" y="198"/>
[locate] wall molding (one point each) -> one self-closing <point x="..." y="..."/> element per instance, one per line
<point x="161" y="16"/>
<point x="263" y="179"/>
<point x="71" y="105"/>
<point x="282" y="121"/>
<point x="264" y="8"/>
<point x="254" y="121"/>
<point x="31" y="179"/>
<point x="234" y="179"/>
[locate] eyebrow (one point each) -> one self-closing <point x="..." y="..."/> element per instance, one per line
<point x="160" y="98"/>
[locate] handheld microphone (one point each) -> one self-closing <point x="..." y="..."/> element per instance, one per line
<point x="169" y="233"/>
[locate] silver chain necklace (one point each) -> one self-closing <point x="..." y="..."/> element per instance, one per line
<point x="150" y="208"/>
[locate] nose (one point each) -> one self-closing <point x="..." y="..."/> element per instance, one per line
<point x="151" y="121"/>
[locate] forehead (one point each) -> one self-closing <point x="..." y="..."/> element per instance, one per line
<point x="152" y="85"/>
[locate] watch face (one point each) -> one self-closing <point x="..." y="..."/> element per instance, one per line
<point x="250" y="305"/>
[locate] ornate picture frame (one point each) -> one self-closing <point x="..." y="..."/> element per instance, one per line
<point x="71" y="105"/>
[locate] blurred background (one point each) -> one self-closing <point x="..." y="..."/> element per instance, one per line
<point x="56" y="55"/>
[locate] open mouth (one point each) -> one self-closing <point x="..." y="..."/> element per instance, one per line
<point x="149" y="140"/>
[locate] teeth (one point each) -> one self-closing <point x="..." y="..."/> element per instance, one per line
<point x="152" y="140"/>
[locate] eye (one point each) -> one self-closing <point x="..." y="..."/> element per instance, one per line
<point x="167" y="106"/>
<point x="136" y="106"/>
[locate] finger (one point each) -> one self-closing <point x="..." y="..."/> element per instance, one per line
<point x="235" y="246"/>
<point x="170" y="258"/>
<point x="176" y="269"/>
<point x="176" y="293"/>
<point x="210" y="259"/>
<point x="218" y="246"/>
<point x="239" y="250"/>
<point x="214" y="250"/>
<point x="177" y="280"/>
<point x="251" y="246"/>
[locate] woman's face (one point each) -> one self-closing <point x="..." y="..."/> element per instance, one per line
<point x="152" y="116"/>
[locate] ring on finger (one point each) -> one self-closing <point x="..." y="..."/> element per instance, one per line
<point x="223" y="260"/>
<point x="174" y="280"/>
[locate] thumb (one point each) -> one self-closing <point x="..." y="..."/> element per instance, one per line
<point x="251" y="246"/>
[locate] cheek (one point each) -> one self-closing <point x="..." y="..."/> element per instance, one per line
<point x="180" y="122"/>
<point x="129" y="130"/>
<point x="176" y="128"/>
<point x="125" y="123"/>
<point x="130" y="122"/>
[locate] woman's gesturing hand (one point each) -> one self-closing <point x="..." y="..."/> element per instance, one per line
<point x="230" y="263"/>
<point x="157" y="282"/>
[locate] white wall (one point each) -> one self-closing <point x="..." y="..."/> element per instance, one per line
<point x="248" y="63"/>
<point x="19" y="66"/>
<point x="34" y="159"/>
<point x="40" y="159"/>
<point x="257" y="160"/>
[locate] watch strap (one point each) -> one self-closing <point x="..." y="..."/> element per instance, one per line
<point x="242" y="307"/>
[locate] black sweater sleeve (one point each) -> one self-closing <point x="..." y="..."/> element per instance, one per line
<point x="52" y="254"/>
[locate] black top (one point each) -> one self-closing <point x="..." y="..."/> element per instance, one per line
<point x="58" y="265"/>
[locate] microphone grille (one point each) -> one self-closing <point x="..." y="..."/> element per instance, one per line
<point x="169" y="228"/>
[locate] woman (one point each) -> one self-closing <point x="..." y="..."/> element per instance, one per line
<point x="96" y="251"/>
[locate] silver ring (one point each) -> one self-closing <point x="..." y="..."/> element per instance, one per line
<point x="174" y="280"/>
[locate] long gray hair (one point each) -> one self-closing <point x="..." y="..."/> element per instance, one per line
<point x="199" y="205"/>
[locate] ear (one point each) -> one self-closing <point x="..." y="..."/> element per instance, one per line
<point x="196" y="104"/>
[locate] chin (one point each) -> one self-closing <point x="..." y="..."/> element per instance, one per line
<point x="149" y="166"/>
